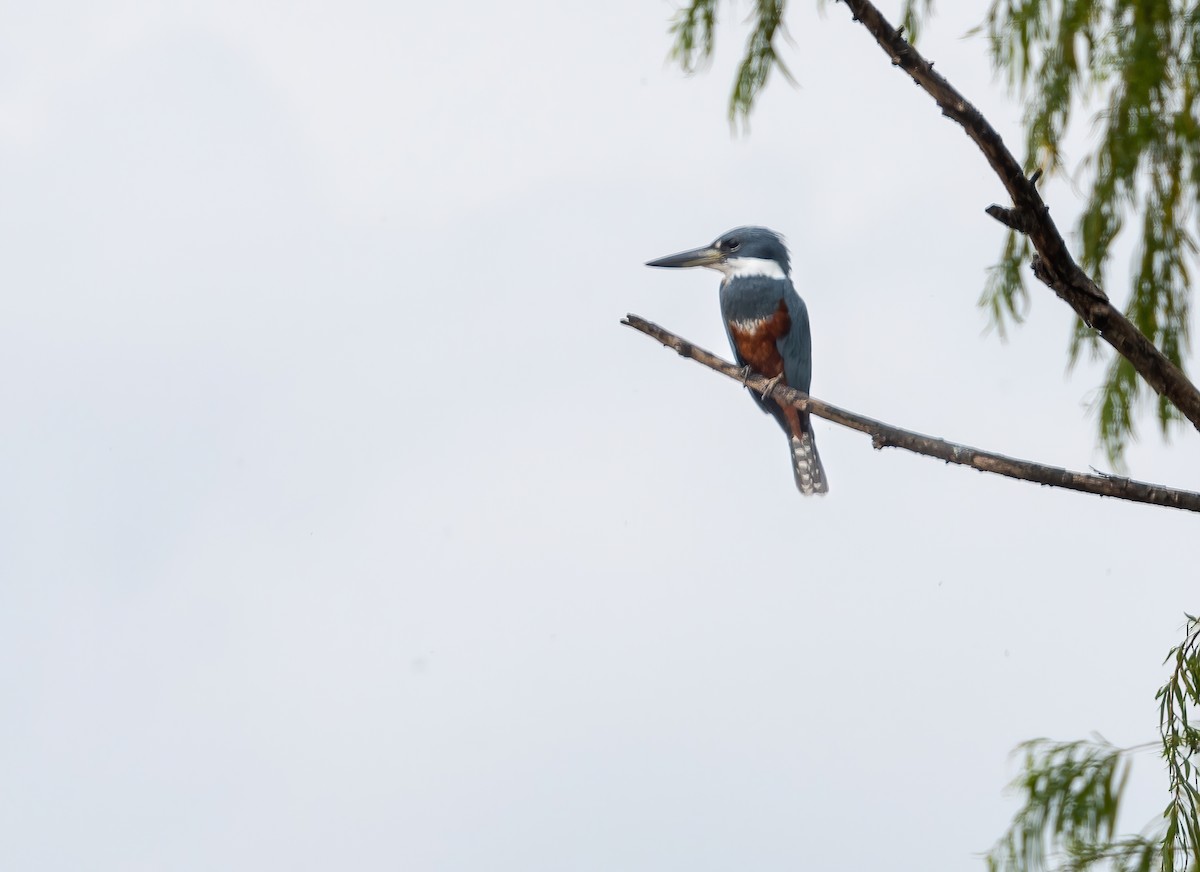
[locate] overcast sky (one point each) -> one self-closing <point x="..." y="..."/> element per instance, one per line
<point x="342" y="526"/>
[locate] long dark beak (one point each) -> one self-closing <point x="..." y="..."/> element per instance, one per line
<point x="705" y="256"/>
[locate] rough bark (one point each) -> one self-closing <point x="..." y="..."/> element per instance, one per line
<point x="887" y="436"/>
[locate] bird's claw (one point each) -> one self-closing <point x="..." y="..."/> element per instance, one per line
<point x="747" y="371"/>
<point x="770" y="386"/>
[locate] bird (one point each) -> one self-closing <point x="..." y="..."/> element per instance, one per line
<point x="768" y="328"/>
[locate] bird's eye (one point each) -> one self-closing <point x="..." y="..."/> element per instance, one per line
<point x="733" y="245"/>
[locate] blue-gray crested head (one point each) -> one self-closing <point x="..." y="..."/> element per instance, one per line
<point x="743" y="251"/>
<point x="754" y="243"/>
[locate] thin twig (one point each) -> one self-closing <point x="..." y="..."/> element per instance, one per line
<point x="1030" y="215"/>
<point x="886" y="436"/>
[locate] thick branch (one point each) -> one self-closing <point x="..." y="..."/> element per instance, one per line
<point x="1030" y="215"/>
<point x="886" y="436"/>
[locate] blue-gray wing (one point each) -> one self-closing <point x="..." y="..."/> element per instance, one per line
<point x="762" y="306"/>
<point x="795" y="346"/>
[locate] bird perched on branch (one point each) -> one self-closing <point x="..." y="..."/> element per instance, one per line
<point x="767" y="324"/>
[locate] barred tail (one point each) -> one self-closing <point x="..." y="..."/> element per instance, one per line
<point x="806" y="465"/>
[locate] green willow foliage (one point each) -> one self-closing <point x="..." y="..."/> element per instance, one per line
<point x="1180" y="743"/>
<point x="693" y="31"/>
<point x="1072" y="793"/>
<point x="1141" y="58"/>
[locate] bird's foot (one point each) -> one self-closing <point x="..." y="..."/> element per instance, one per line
<point x="771" y="383"/>
<point x="747" y="371"/>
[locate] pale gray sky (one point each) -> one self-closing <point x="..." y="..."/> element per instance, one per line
<point x="343" y="527"/>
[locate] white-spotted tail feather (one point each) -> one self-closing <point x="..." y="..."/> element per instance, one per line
<point x="806" y="465"/>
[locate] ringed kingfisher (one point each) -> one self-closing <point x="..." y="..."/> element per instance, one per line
<point x="767" y="323"/>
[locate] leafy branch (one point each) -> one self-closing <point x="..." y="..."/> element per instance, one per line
<point x="1146" y="57"/>
<point x="693" y="31"/>
<point x="1180" y="741"/>
<point x="1072" y="793"/>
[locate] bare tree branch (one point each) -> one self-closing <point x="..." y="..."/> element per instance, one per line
<point x="886" y="436"/>
<point x="1053" y="264"/>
